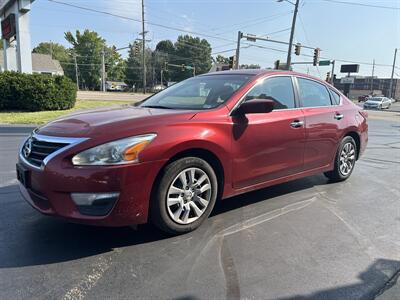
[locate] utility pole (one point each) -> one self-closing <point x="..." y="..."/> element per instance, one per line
<point x="289" y="56"/>
<point x="372" y="77"/>
<point x="51" y="49"/>
<point x="240" y="35"/>
<point x="143" y="51"/>
<point x="76" y="73"/>
<point x="103" y="71"/>
<point x="391" y="78"/>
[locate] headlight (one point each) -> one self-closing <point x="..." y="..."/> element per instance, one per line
<point x="119" y="152"/>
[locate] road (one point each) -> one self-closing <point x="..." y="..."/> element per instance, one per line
<point x="308" y="239"/>
<point x="395" y="107"/>
<point x="110" y="96"/>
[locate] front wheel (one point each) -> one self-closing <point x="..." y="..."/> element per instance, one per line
<point x="185" y="195"/>
<point x="345" y="160"/>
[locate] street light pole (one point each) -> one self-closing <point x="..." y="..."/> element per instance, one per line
<point x="296" y="9"/>
<point x="103" y="71"/>
<point x="143" y="51"/>
<point x="76" y="73"/>
<point x="240" y="35"/>
<point x="333" y="72"/>
<point x="391" y="78"/>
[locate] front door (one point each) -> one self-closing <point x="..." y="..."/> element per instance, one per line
<point x="268" y="146"/>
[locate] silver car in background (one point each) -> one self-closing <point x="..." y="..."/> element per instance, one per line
<point x="377" y="103"/>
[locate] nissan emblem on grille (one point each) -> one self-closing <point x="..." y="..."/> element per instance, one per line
<point x="28" y="147"/>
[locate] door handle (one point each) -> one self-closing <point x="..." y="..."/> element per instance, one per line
<point x="297" y="124"/>
<point x="338" y="116"/>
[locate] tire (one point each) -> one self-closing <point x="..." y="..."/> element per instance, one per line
<point x="341" y="172"/>
<point x="173" y="207"/>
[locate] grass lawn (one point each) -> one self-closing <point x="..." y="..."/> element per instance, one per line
<point x="41" y="117"/>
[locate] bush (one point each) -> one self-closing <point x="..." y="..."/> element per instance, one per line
<point x="36" y="92"/>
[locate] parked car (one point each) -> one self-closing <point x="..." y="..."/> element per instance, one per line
<point x="158" y="88"/>
<point x="363" y="98"/>
<point x="377" y="103"/>
<point x="170" y="158"/>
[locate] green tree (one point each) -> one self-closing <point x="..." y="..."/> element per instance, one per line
<point x="192" y="51"/>
<point x="133" y="70"/>
<point x="115" y="64"/>
<point x="60" y="53"/>
<point x="1" y="44"/>
<point x="88" y="47"/>
<point x="222" y="59"/>
<point x="164" y="54"/>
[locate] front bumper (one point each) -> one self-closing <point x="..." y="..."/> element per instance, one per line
<point x="50" y="189"/>
<point x="371" y="106"/>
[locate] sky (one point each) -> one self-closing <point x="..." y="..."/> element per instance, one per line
<point x="343" y="32"/>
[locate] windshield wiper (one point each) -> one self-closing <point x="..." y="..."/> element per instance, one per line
<point x="157" y="106"/>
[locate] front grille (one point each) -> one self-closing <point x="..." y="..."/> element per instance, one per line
<point x="35" y="151"/>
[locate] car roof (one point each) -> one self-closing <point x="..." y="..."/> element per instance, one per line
<point x="261" y="72"/>
<point x="239" y="72"/>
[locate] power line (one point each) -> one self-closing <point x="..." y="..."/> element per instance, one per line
<point x="363" y="4"/>
<point x="217" y="37"/>
<point x="136" y="20"/>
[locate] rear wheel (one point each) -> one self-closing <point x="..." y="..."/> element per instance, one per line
<point x="185" y="195"/>
<point x="344" y="161"/>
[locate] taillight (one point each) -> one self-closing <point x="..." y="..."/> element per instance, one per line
<point x="363" y="113"/>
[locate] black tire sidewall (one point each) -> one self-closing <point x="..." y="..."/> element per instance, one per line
<point x="159" y="212"/>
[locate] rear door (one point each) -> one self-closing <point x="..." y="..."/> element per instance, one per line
<point x="324" y="122"/>
<point x="266" y="146"/>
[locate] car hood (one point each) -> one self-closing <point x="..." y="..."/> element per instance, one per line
<point x="113" y="120"/>
<point x="373" y="102"/>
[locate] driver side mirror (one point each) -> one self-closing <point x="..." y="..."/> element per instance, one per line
<point x="256" y="106"/>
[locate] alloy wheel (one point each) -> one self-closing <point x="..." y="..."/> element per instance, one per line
<point x="189" y="195"/>
<point x="347" y="159"/>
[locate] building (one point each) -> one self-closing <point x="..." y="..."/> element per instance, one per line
<point x="41" y="63"/>
<point x="371" y="85"/>
<point x="15" y="34"/>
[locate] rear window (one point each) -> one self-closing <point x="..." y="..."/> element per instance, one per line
<point x="335" y="97"/>
<point x="313" y="94"/>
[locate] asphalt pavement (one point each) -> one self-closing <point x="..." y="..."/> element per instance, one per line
<point x="307" y="239"/>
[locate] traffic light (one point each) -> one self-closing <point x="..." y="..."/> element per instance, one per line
<point x="328" y="77"/>
<point x="137" y="49"/>
<point x="297" y="49"/>
<point x="232" y="60"/>
<point x="277" y="63"/>
<point x="183" y="67"/>
<point x="316" y="56"/>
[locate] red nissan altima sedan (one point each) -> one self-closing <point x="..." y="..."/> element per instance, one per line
<point x="169" y="158"/>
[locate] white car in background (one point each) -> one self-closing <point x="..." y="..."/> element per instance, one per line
<point x="377" y="103"/>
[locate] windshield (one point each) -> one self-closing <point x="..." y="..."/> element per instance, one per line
<point x="375" y="99"/>
<point x="203" y="92"/>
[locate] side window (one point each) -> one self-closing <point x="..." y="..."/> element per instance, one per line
<point x="335" y="97"/>
<point x="279" y="89"/>
<point x="313" y="93"/>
